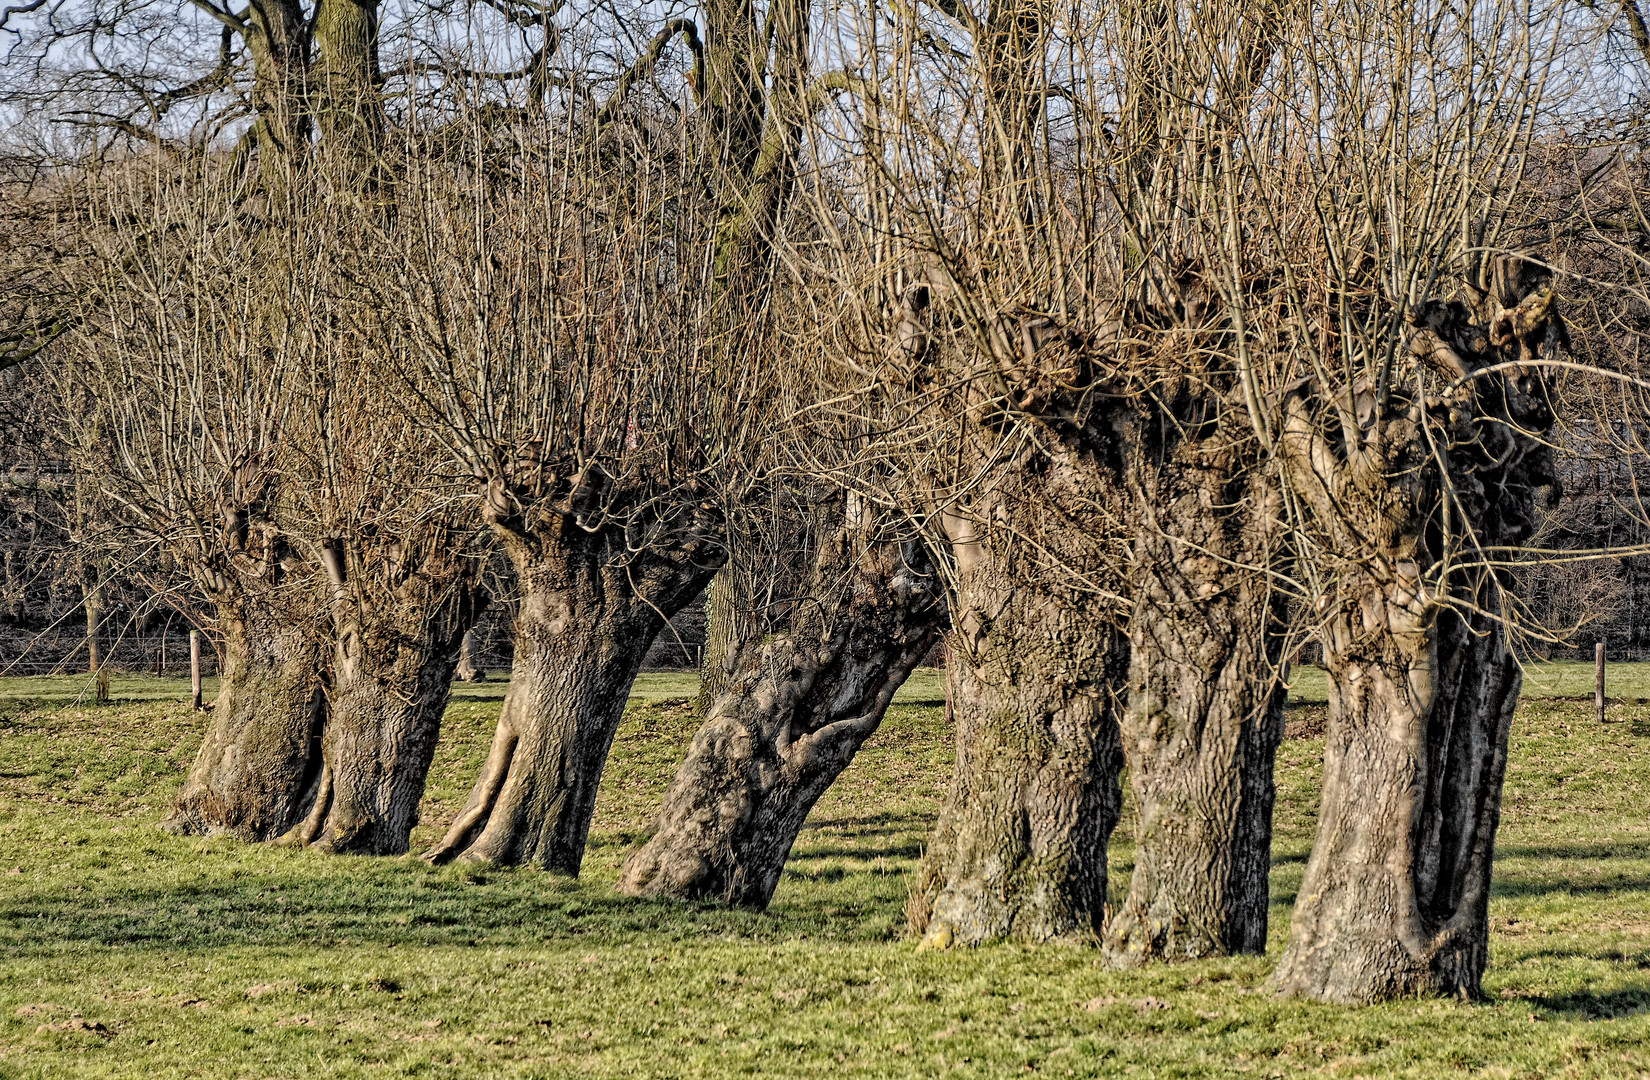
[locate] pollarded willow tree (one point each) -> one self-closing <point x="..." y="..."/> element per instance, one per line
<point x="799" y="706"/>
<point x="178" y="391"/>
<point x="539" y="297"/>
<point x="1098" y="487"/>
<point x="393" y="535"/>
<point x="1148" y="227"/>
<point x="388" y="585"/>
<point x="1415" y="448"/>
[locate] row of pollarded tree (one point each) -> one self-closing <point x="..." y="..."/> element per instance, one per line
<point x="1129" y="345"/>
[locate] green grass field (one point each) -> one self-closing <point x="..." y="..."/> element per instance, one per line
<point x="127" y="952"/>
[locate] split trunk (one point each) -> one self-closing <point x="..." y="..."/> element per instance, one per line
<point x="589" y="610"/>
<point x="398" y="623"/>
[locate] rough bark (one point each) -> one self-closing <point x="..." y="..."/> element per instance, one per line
<point x="262" y="747"/>
<point x="797" y="711"/>
<point x="590" y="607"/>
<point x="347" y="106"/>
<point x="1036" y="668"/>
<point x="726" y="628"/>
<point x="399" y="616"/>
<point x="1422" y="681"/>
<point x="277" y="39"/>
<point x="1205" y="709"/>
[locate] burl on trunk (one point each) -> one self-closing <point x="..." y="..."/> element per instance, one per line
<point x="594" y="594"/>
<point x="1422" y="684"/>
<point x="798" y="708"/>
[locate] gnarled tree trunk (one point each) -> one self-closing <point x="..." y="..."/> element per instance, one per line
<point x="1034" y="684"/>
<point x="397" y="630"/>
<point x="262" y="748"/>
<point x="590" y="608"/>
<point x="799" y="708"/>
<point x="1395" y="898"/>
<point x="1205" y="711"/>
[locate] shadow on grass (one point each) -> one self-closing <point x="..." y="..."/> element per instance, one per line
<point x="1590" y="1006"/>
<point x="1606" y="849"/>
<point x="408" y="904"/>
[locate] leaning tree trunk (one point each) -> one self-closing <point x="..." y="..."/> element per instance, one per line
<point x="589" y="610"/>
<point x="1020" y="847"/>
<point x="1395" y="898"/>
<point x="798" y="709"/>
<point x="396" y="647"/>
<point x="1205" y="711"/>
<point x="262" y="748"/>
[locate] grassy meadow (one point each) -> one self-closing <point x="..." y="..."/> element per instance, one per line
<point x="125" y="952"/>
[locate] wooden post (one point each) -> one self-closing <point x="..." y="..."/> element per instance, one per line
<point x="195" y="668"/>
<point x="1598" y="692"/>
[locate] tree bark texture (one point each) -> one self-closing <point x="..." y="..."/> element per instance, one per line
<point x="1422" y="683"/>
<point x="1205" y="710"/>
<point x="399" y="614"/>
<point x="1035" y="678"/>
<point x="727" y="626"/>
<point x="590" y="607"/>
<point x="797" y="711"/>
<point x="261" y="753"/>
<point x="277" y="39"/>
<point x="468" y="669"/>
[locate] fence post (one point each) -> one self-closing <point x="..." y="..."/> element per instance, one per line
<point x="1598" y="691"/>
<point x="195" y="668"/>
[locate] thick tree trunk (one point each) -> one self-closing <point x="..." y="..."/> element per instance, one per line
<point x="726" y="628"/>
<point x="1421" y="697"/>
<point x="1205" y="712"/>
<point x="799" y="708"/>
<point x="1395" y="899"/>
<point x="1020" y="847"/>
<point x="395" y="650"/>
<point x="589" y="609"/>
<point x="262" y="748"/>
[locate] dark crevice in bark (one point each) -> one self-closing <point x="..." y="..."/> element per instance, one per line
<point x="798" y="709"/>
<point x="1422" y="681"/>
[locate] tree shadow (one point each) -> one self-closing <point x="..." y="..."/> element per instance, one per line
<point x="1587" y="1005"/>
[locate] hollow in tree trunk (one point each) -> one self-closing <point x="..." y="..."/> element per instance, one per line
<point x="798" y="709"/>
<point x="1205" y="710"/>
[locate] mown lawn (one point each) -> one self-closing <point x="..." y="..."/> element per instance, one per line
<point x="127" y="952"/>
